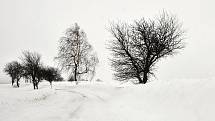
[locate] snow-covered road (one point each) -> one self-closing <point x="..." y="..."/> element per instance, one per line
<point x="183" y="100"/>
<point x="65" y="102"/>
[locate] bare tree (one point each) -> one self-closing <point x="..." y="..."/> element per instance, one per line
<point x="14" y="69"/>
<point x="52" y="74"/>
<point x="75" y="52"/>
<point x="32" y="66"/>
<point x="138" y="47"/>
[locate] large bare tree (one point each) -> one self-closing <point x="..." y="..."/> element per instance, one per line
<point x="75" y="53"/>
<point x="136" y="48"/>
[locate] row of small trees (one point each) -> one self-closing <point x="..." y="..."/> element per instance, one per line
<point x="31" y="69"/>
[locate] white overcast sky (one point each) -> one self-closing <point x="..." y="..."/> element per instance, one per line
<point x="37" y="25"/>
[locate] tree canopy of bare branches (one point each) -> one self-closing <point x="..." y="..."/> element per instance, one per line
<point x="32" y="66"/>
<point x="15" y="70"/>
<point x="51" y="74"/>
<point x="75" y="53"/>
<point x="136" y="48"/>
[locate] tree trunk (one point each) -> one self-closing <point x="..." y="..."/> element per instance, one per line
<point x="12" y="81"/>
<point x="17" y="83"/>
<point x="37" y="85"/>
<point x="34" y="85"/>
<point x="75" y="75"/>
<point x="34" y="82"/>
<point x="145" y="77"/>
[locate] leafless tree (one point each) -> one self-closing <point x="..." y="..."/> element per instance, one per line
<point x="32" y="66"/>
<point x="51" y="74"/>
<point x="75" y="53"/>
<point x="136" y="48"/>
<point x="14" y="69"/>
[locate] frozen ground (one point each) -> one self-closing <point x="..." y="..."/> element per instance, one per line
<point x="179" y="100"/>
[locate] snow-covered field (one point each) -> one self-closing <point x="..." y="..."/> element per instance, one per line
<point x="176" y="100"/>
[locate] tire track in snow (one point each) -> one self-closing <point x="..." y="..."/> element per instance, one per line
<point x="87" y="98"/>
<point x="89" y="94"/>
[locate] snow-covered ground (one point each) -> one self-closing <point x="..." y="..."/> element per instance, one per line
<point x="176" y="100"/>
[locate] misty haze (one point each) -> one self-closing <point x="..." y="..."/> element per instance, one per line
<point x="113" y="60"/>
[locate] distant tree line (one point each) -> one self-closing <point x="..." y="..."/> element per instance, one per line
<point x="31" y="69"/>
